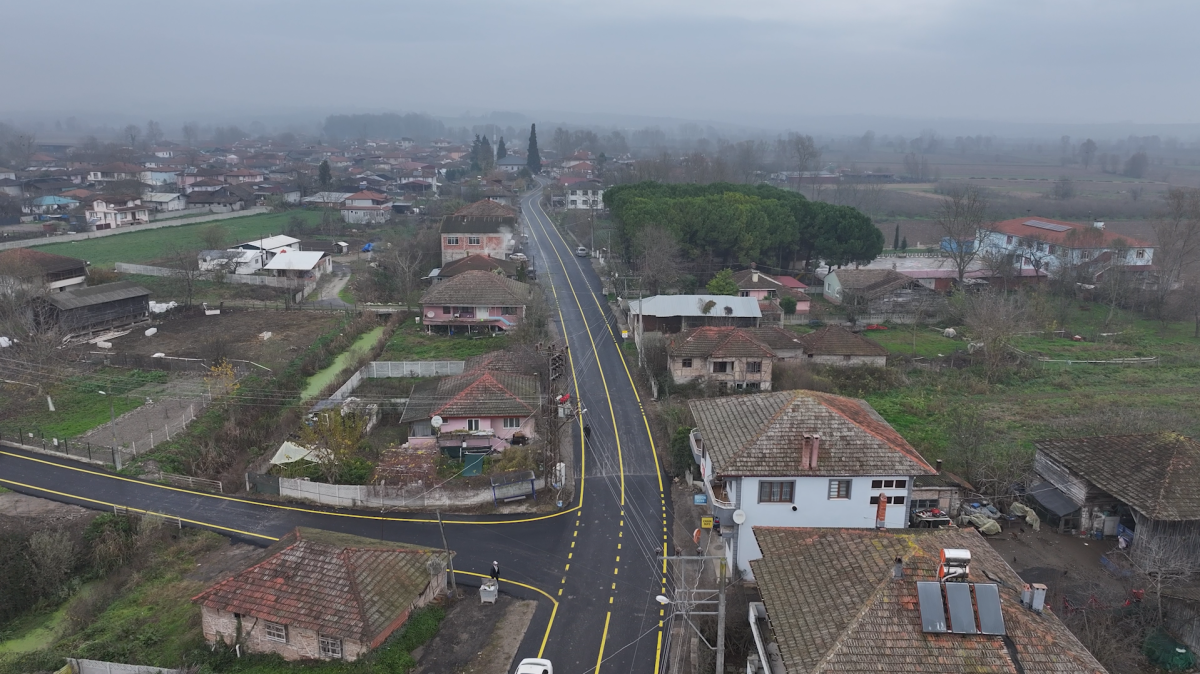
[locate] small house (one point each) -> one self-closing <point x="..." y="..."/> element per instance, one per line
<point x="474" y="300"/>
<point x="163" y="202"/>
<point x="766" y="288"/>
<point x="881" y="294"/>
<point x="731" y="357"/>
<point x="481" y="410"/>
<point x="321" y="595"/>
<point x="112" y="212"/>
<point x="835" y="345"/>
<point x="299" y="264"/>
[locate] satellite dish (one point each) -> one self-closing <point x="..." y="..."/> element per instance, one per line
<point x="739" y="517"/>
<point x="429" y="314"/>
<point x="437" y="422"/>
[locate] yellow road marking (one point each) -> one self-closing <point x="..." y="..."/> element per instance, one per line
<point x="277" y="506"/>
<point x="545" y="594"/>
<point x="603" y="640"/>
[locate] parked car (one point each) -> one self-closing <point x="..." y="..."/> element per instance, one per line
<point x="535" y="666"/>
<point x="581" y="251"/>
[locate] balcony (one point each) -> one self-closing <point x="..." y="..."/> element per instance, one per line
<point x="697" y="444"/>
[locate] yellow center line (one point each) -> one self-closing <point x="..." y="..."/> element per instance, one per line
<point x="540" y="591"/>
<point x="603" y="640"/>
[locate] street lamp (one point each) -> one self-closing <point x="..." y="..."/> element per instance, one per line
<point x="112" y="427"/>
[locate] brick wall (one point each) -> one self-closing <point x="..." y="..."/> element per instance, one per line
<point x="301" y="643"/>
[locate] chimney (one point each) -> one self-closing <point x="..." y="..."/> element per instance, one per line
<point x="939" y="466"/>
<point x="1026" y="595"/>
<point x="816" y="448"/>
<point x="898" y="569"/>
<point x="1039" y="598"/>
<point x="805" y="450"/>
<point x="1097" y="224"/>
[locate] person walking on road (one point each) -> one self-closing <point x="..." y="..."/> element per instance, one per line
<point x="495" y="574"/>
<point x="587" y="432"/>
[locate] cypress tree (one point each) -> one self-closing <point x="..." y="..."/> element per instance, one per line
<point x="486" y="159"/>
<point x="501" y="151"/>
<point x="324" y="175"/>
<point x="476" y="165"/>
<point x="533" y="160"/>
<point x="904" y="243"/>
<point x="896" y="239"/>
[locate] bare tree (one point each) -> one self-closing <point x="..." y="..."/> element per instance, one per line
<point x="993" y="319"/>
<point x="191" y="133"/>
<point x="132" y="132"/>
<point x="998" y="264"/>
<point x="186" y="266"/>
<point x="214" y="237"/>
<point x="960" y="218"/>
<point x="1178" y="233"/>
<point x="154" y="133"/>
<point x="1163" y="561"/>
<point x="657" y="258"/>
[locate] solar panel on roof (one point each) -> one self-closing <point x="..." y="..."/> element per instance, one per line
<point x="933" y="616"/>
<point x="1053" y="227"/>
<point x="987" y="600"/>
<point x="962" y="611"/>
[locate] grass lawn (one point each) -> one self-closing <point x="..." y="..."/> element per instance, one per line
<point x="411" y="342"/>
<point x="78" y="405"/>
<point x="930" y="343"/>
<point x="143" y="247"/>
<point x="163" y="289"/>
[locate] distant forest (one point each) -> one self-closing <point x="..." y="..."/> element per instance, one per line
<point x="386" y="126"/>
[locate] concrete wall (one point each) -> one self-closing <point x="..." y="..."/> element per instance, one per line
<point x="79" y="666"/>
<point x="848" y="361"/>
<point x="416" y="495"/>
<point x="243" y="279"/>
<point x="702" y="367"/>
<point x="811" y="507"/>
<point x="174" y="222"/>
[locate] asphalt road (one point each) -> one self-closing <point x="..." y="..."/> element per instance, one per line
<point x="595" y="568"/>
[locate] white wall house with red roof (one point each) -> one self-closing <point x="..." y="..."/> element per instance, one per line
<point x="1048" y="245"/>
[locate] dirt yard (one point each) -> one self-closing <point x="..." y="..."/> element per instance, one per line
<point x="476" y="638"/>
<point x="195" y="335"/>
<point x="1065" y="564"/>
<point x="19" y="510"/>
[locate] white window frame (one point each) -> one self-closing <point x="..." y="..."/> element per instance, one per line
<point x="275" y="631"/>
<point x="474" y="241"/>
<point x="472" y="424"/>
<point x="512" y="422"/>
<point x="451" y="240"/>
<point x="330" y="647"/>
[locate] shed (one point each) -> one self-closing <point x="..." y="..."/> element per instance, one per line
<point x="100" y="307"/>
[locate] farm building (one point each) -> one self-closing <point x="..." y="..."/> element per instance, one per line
<point x="835" y="345"/>
<point x="57" y="273"/>
<point x="85" y="310"/>
<point x="1144" y="489"/>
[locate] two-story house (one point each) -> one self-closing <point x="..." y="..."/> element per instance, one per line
<point x="111" y="212"/>
<point x="732" y="357"/>
<point x="114" y="172"/>
<point x="799" y="459"/>
<point x="366" y="207"/>
<point x="481" y="410"/>
<point x="484" y="228"/>
<point x="769" y="290"/>
<point x="586" y="195"/>
<point x="1047" y="246"/>
<point x="474" y="301"/>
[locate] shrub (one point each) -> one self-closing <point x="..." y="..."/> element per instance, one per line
<point x="788" y="304"/>
<point x="681" y="452"/>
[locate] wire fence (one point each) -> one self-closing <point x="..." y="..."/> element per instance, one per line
<point x="85" y="451"/>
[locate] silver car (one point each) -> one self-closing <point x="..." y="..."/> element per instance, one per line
<point x="581" y="251"/>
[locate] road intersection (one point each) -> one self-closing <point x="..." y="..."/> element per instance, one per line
<point x="595" y="567"/>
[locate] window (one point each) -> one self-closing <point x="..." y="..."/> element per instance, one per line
<point x="421" y="429"/>
<point x="889" y="484"/>
<point x="687" y="363"/>
<point x="472" y="240"/>
<point x="752" y="386"/>
<point x="276" y="632"/>
<point x="508" y="311"/>
<point x="1051" y="249"/>
<point x="924" y="503"/>
<point x="754" y="366"/>
<point x="775" y="492"/>
<point x="573" y="202"/>
<point x="512" y="422"/>
<point x="472" y="424"/>
<point x="1141" y="254"/>
<point x="1008" y="240"/>
<point x="743" y="293"/>
<point x="447" y="310"/>
<point x="1040" y="246"/>
<point x="331" y="647"/>
<point x="892" y="500"/>
<point x="839" y="489"/>
<point x="451" y="240"/>
<point x="720" y="366"/>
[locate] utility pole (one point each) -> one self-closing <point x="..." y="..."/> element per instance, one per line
<point x="721" y="621"/>
<point x="450" y="558"/>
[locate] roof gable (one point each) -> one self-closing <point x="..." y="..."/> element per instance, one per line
<point x="1156" y="473"/>
<point x="719" y="342"/>
<point x="834" y="340"/>
<point x="1069" y="234"/>
<point x="871" y="283"/>
<point x="476" y="287"/>
<point x="761" y="435"/>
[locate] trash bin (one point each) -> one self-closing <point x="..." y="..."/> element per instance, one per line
<point x="488" y="591"/>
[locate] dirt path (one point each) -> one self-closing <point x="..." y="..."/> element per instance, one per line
<point x="477" y="638"/>
<point x="173" y="405"/>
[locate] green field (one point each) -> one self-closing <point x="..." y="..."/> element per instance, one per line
<point x="411" y="342"/>
<point x="78" y="405"/>
<point x="143" y="247"/>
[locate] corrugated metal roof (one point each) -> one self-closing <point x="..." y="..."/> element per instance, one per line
<point x="86" y="297"/>
<point x="693" y="305"/>
<point x="269" y="242"/>
<point x="295" y="260"/>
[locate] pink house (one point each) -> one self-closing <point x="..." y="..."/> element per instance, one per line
<point x="770" y="289"/>
<point x="481" y="410"/>
<point x="474" y="300"/>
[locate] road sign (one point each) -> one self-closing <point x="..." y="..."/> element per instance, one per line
<point x="699" y="499"/>
<point x="706" y="522"/>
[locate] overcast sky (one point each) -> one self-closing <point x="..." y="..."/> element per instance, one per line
<point x="765" y="62"/>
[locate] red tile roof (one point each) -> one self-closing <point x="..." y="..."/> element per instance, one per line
<point x="486" y="207"/>
<point x="835" y="340"/>
<point x="1075" y="235"/>
<point x="718" y="342"/>
<point x="336" y="584"/>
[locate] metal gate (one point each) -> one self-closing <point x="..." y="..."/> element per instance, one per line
<point x="262" y="483"/>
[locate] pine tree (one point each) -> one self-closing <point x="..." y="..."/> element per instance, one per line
<point x="533" y="160"/>
<point x="904" y="243"/>
<point x="896" y="239"/>
<point x="476" y="165"/>
<point x="486" y="159"/>
<point x="501" y="151"/>
<point x="324" y="175"/>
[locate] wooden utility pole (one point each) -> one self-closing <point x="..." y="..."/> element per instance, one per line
<point x="450" y="558"/>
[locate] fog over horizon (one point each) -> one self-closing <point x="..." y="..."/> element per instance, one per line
<point x="1015" y="68"/>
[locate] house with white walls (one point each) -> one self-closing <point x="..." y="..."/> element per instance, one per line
<point x="799" y="459"/>
<point x="1048" y="246"/>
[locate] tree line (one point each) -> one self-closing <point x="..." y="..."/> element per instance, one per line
<point x="743" y="223"/>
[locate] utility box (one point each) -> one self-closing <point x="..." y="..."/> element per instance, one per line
<point x="488" y="591"/>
